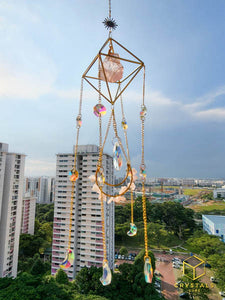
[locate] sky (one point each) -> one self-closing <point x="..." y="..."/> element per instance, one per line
<point x="45" y="46"/>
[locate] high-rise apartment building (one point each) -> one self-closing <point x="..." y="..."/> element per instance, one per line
<point x="86" y="239"/>
<point x="11" y="193"/>
<point x="28" y="214"/>
<point x="40" y="187"/>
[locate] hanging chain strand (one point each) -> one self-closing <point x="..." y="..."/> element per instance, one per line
<point x="125" y="132"/>
<point x="143" y="179"/>
<point x="100" y="164"/>
<point x="110" y="9"/>
<point x="74" y="167"/>
<point x="128" y="155"/>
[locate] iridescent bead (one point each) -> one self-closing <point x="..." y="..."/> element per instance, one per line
<point x="142" y="172"/>
<point x="124" y="124"/>
<point x="73" y="175"/>
<point x="106" y="276"/>
<point x="148" y="271"/>
<point x="133" y="230"/>
<point x="99" y="110"/>
<point x="79" y="121"/>
<point x="143" y="112"/>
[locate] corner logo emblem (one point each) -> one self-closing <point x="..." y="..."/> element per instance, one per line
<point x="193" y="267"/>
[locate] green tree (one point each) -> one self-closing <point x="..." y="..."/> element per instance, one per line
<point x="218" y="263"/>
<point x="61" y="277"/>
<point x="206" y="245"/>
<point x="196" y="289"/>
<point x="123" y="251"/>
<point x="38" y="267"/>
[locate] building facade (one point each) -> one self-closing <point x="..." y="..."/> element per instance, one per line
<point x="86" y="242"/>
<point x="41" y="187"/>
<point x="214" y="225"/>
<point x="11" y="185"/>
<point x="219" y="193"/>
<point x="28" y="214"/>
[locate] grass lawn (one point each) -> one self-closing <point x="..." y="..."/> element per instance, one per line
<point x="209" y="207"/>
<point x="193" y="192"/>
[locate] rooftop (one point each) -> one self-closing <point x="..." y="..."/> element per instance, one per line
<point x="215" y="218"/>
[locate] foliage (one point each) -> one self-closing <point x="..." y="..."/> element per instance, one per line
<point x="208" y="196"/>
<point x="123" y="251"/>
<point x="32" y="287"/>
<point x="206" y="245"/>
<point x="218" y="263"/>
<point x="128" y="284"/>
<point x="172" y="216"/>
<point x="45" y="212"/>
<point x="196" y="289"/>
<point x="40" y="241"/>
<point x="61" y="277"/>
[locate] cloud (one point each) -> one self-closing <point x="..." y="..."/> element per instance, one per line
<point x="40" y="167"/>
<point x="199" y="109"/>
<point x="216" y="114"/>
<point x="24" y="85"/>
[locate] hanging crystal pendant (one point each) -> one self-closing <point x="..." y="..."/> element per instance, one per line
<point x="117" y="157"/>
<point x="112" y="67"/>
<point x="107" y="275"/>
<point x="148" y="271"/>
<point x="133" y="230"/>
<point x="68" y="261"/>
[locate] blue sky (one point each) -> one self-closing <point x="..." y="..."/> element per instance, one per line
<point x="45" y="46"/>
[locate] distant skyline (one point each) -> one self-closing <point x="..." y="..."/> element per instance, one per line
<point x="46" y="46"/>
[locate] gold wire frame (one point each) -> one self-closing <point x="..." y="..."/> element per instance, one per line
<point x="129" y="78"/>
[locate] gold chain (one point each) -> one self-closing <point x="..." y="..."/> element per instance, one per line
<point x="128" y="155"/>
<point x="74" y="167"/>
<point x="100" y="165"/>
<point x="143" y="179"/>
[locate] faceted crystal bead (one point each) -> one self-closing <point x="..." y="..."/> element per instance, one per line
<point x="73" y="175"/>
<point x="68" y="261"/>
<point x="142" y="172"/>
<point x="106" y="276"/>
<point x="124" y="124"/>
<point x="112" y="67"/>
<point x="133" y="230"/>
<point x="99" y="110"/>
<point x="117" y="156"/>
<point x="79" y="121"/>
<point x="148" y="271"/>
<point x="143" y="112"/>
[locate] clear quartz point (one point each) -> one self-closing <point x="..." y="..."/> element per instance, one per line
<point x="107" y="275"/>
<point x="133" y="230"/>
<point x="148" y="271"/>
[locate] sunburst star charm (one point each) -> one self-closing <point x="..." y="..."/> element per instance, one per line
<point x="110" y="23"/>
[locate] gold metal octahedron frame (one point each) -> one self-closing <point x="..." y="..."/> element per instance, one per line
<point x="126" y="81"/>
<point x="135" y="65"/>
